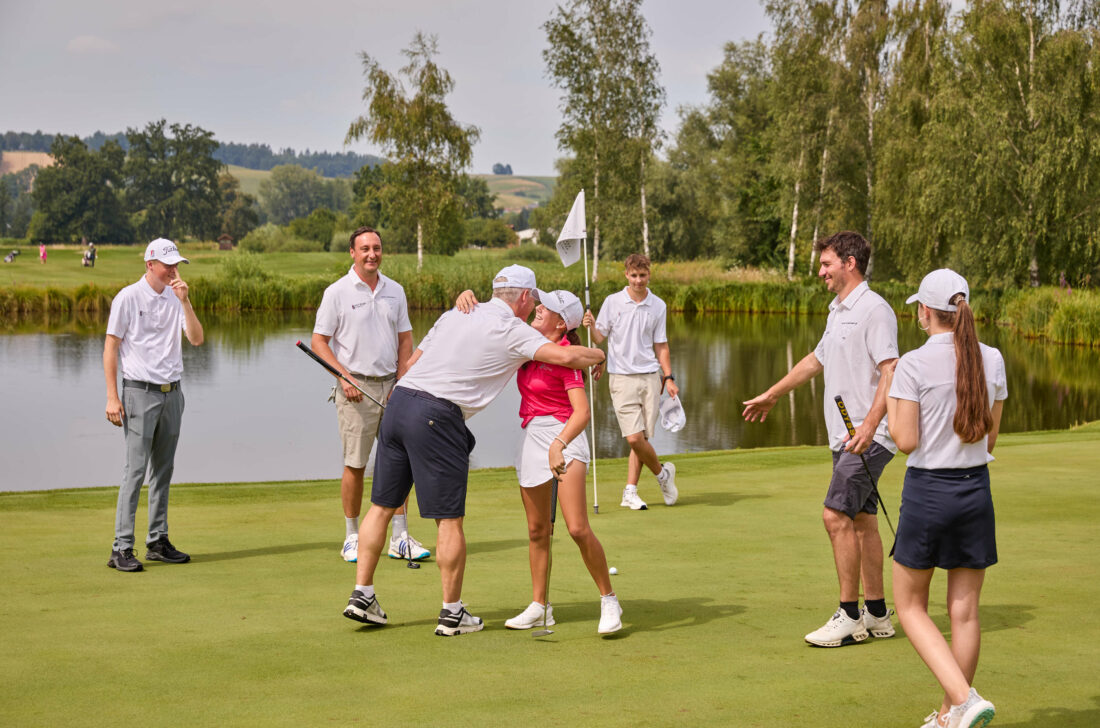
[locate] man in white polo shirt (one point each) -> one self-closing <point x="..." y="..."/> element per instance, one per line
<point x="640" y="368"/>
<point x="144" y="330"/>
<point x="363" y="331"/>
<point x="456" y="371"/>
<point x="859" y="344"/>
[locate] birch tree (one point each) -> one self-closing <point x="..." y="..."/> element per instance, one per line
<point x="415" y="130"/>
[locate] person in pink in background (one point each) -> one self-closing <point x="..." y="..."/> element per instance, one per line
<point x="42" y="253"/>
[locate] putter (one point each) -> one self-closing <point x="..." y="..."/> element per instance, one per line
<point x="332" y="370"/>
<point x="549" y="560"/>
<point x="874" y="485"/>
<point x="408" y="547"/>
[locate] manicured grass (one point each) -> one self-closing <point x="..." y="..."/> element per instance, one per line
<point x="718" y="592"/>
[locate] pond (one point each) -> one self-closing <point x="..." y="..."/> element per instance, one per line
<point x="257" y="409"/>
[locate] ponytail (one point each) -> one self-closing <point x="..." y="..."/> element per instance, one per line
<point x="973" y="418"/>
<point x="575" y="340"/>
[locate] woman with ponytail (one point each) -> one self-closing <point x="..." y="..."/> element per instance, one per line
<point x="944" y="411"/>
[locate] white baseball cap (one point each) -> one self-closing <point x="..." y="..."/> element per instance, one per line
<point x="673" y="418"/>
<point x="939" y="287"/>
<point x="514" y="276"/>
<point x="165" y="251"/>
<point x="564" y="304"/>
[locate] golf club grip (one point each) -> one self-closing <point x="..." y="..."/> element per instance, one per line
<point x="844" y="414"/>
<point x="319" y="360"/>
<point x="553" y="504"/>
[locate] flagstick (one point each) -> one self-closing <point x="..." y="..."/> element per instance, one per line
<point x="592" y="390"/>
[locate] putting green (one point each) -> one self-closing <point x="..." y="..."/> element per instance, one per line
<point x="717" y="593"/>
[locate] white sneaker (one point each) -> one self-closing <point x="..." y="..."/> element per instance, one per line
<point x="839" y="630"/>
<point x="532" y="617"/>
<point x="610" y="616"/>
<point x="880" y="628"/>
<point x="403" y="545"/>
<point x="976" y="712"/>
<point x="666" y="479"/>
<point x="364" y="609"/>
<point x="631" y="500"/>
<point x="350" y="550"/>
<point x="460" y="622"/>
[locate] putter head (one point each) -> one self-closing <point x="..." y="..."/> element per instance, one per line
<point x="412" y="565"/>
<point x="542" y="633"/>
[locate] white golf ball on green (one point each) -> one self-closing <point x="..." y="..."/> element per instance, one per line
<point x="613" y="571"/>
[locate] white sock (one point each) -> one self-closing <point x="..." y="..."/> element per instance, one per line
<point x="453" y="607"/>
<point x="632" y="487"/>
<point x="368" y="591"/>
<point x="662" y="476"/>
<point x="609" y="597"/>
<point x="400" y="525"/>
<point x="351" y="526"/>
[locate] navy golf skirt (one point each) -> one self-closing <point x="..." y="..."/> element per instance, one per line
<point x="946" y="520"/>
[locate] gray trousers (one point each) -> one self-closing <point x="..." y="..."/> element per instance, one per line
<point x="151" y="426"/>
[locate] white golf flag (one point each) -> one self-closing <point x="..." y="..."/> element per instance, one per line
<point x="572" y="236"/>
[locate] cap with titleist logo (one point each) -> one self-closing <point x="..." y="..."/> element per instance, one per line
<point x="514" y="276"/>
<point x="165" y="251"/>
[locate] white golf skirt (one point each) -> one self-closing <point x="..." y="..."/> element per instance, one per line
<point x="533" y="457"/>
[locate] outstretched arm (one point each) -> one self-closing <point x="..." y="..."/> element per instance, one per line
<point x="574" y="357"/>
<point x="758" y="407"/>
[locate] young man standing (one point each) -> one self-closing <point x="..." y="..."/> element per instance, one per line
<point x="640" y="368"/>
<point x="144" y="330"/>
<point x="859" y="344"/>
<point x="363" y="331"/>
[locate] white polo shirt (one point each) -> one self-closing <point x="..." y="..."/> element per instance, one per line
<point x="927" y="376"/>
<point x="149" y="325"/>
<point x="860" y="334"/>
<point x="632" y="329"/>
<point x="364" y="324"/>
<point x="468" y="358"/>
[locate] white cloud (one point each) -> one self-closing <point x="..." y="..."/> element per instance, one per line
<point x="90" y="44"/>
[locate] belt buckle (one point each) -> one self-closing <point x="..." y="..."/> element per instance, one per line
<point x="166" y="388"/>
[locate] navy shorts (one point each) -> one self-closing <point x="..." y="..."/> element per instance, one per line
<point x="422" y="440"/>
<point x="946" y="520"/>
<point x="850" y="491"/>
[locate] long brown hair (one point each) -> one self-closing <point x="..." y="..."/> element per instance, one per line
<point x="575" y="340"/>
<point x="973" y="418"/>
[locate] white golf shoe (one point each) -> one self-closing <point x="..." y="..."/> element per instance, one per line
<point x="666" y="479"/>
<point x="839" y="630"/>
<point x="610" y="615"/>
<point x="460" y="622"/>
<point x="631" y="499"/>
<point x="976" y="712"/>
<point x="532" y="617"/>
<point x="403" y="545"/>
<point x="880" y="627"/>
<point x="364" y="609"/>
<point x="350" y="550"/>
<point x="932" y="720"/>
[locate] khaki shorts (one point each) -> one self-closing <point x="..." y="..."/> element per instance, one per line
<point x="637" y="401"/>
<point x="358" y="421"/>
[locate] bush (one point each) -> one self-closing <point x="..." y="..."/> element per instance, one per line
<point x="534" y="254"/>
<point x="271" y="238"/>
<point x="317" y="226"/>
<point x="489" y="233"/>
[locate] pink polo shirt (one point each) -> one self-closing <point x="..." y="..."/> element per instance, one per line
<point x="544" y="389"/>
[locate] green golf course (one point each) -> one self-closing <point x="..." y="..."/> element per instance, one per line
<point x="717" y="591"/>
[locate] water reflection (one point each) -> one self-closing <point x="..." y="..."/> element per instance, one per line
<point x="256" y="407"/>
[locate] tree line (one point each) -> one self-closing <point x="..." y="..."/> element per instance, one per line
<point x="250" y="156"/>
<point x="965" y="139"/>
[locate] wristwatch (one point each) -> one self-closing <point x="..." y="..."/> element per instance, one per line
<point x="666" y="377"/>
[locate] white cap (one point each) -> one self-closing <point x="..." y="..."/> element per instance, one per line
<point x="165" y="251"/>
<point x="564" y="304"/>
<point x="673" y="418"/>
<point x="939" y="287"/>
<point x="514" y="276"/>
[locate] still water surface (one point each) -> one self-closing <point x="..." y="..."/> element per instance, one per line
<point x="256" y="407"/>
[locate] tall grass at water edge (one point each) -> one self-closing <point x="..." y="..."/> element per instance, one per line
<point x="244" y="282"/>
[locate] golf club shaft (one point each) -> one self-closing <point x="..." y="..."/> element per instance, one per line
<point x="866" y="468"/>
<point x="550" y="545"/>
<point x="335" y="373"/>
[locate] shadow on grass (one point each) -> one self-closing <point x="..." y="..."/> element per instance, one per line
<point x="267" y="551"/>
<point x="488" y="547"/>
<point x="995" y="617"/>
<point x="1059" y="717"/>
<point x="717" y="498"/>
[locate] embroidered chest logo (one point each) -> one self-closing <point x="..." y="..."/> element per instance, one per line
<point x="358" y="305"/>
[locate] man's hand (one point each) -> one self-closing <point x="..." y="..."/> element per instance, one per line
<point x="115" y="413"/>
<point x="352" y="394"/>
<point x="758" y="408"/>
<point x="669" y="386"/>
<point x="597" y="372"/>
<point x="865" y="435"/>
<point x="180" y="289"/>
<point x="588" y="321"/>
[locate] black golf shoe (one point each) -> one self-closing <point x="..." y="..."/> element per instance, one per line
<point x="124" y="560"/>
<point x="163" y="550"/>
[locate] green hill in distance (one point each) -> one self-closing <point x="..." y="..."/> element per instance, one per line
<point x="515" y="192"/>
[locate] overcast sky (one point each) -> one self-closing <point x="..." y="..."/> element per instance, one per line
<point x="287" y="73"/>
